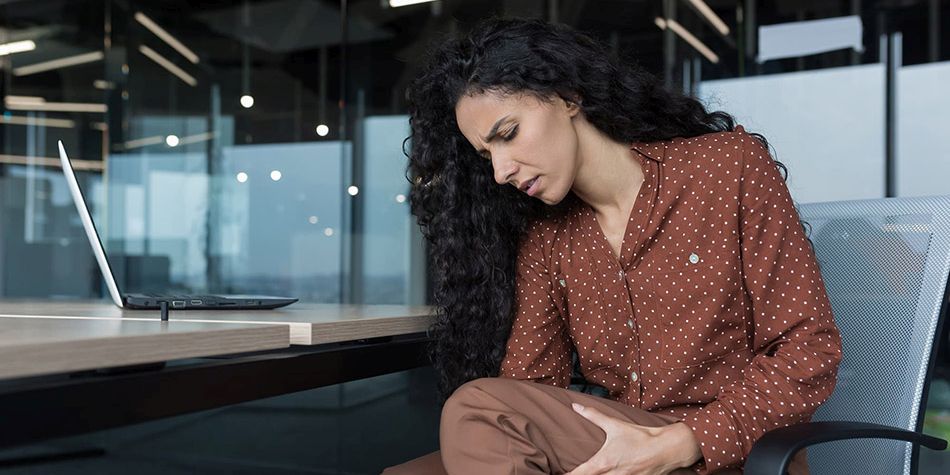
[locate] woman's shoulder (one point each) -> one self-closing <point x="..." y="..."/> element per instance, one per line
<point x="726" y="147"/>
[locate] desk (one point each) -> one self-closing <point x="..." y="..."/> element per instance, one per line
<point x="39" y="346"/>
<point x="338" y="344"/>
<point x="310" y="324"/>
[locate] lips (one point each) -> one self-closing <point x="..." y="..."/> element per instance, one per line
<point x="530" y="187"/>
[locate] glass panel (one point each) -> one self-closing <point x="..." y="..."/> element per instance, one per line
<point x="923" y="119"/>
<point x="832" y="153"/>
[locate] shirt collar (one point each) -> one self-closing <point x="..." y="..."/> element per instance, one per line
<point x="655" y="151"/>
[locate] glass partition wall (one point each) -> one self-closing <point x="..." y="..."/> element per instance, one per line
<point x="256" y="145"/>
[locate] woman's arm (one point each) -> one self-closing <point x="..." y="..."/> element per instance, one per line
<point x="796" y="341"/>
<point x="539" y="347"/>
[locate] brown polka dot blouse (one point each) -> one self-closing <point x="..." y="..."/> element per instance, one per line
<point x="715" y="312"/>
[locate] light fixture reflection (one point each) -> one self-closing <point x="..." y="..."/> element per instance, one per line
<point x="241" y="177"/>
<point x="247" y="101"/>
<point x="275" y="175"/>
<point x="353" y="190"/>
<point x="172" y="140"/>
<point x="323" y="130"/>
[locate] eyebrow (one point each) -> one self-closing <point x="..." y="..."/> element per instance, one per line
<point x="494" y="131"/>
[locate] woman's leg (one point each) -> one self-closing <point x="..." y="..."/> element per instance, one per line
<point x="507" y="426"/>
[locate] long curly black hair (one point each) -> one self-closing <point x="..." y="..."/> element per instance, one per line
<point x="472" y="225"/>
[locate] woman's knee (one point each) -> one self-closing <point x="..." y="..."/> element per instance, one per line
<point x="474" y="395"/>
<point x="472" y="399"/>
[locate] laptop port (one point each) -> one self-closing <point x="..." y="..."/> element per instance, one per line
<point x="196" y="302"/>
<point x="178" y="303"/>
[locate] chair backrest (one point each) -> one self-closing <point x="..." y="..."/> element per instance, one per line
<point x="885" y="264"/>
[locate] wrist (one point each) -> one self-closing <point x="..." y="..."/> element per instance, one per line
<point x="684" y="446"/>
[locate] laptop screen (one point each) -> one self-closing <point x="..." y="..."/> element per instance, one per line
<point x="91" y="234"/>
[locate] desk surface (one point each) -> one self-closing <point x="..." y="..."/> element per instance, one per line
<point x="310" y="324"/>
<point x="38" y="346"/>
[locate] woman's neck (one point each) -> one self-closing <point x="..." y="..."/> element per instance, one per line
<point x="608" y="176"/>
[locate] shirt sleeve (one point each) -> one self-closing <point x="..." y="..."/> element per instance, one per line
<point x="539" y="348"/>
<point x="796" y="342"/>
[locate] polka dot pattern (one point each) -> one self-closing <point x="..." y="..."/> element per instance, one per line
<point x="714" y="312"/>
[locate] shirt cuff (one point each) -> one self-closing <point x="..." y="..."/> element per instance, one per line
<point x="718" y="439"/>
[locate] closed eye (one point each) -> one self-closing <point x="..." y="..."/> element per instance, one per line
<point x="507" y="138"/>
<point x="512" y="134"/>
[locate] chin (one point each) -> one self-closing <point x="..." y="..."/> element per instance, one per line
<point x="551" y="201"/>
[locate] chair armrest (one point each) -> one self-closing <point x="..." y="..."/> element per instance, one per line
<point x="773" y="451"/>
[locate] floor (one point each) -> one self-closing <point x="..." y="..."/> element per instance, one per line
<point x="353" y="428"/>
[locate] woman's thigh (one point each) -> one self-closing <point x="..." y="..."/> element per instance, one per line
<point x="533" y="424"/>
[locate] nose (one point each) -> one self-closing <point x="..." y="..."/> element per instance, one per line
<point x="504" y="168"/>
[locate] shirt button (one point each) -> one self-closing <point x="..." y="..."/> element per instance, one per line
<point x="630" y="324"/>
<point x="633" y="376"/>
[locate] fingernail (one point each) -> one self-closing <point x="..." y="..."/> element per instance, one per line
<point x="577" y="407"/>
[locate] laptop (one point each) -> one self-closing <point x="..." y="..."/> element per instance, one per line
<point x="150" y="300"/>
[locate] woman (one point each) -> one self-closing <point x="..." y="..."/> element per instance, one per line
<point x="655" y="239"/>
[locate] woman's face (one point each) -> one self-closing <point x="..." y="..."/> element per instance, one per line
<point x="534" y="145"/>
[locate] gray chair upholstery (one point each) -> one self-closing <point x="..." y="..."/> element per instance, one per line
<point x="885" y="264"/>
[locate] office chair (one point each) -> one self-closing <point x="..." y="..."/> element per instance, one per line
<point x="885" y="264"/>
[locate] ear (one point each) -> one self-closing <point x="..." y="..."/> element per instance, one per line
<point x="573" y="105"/>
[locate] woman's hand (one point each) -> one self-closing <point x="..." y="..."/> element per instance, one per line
<point x="632" y="449"/>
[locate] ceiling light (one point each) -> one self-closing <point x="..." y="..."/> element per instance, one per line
<point x="17" y="47"/>
<point x="166" y="37"/>
<point x="403" y="3"/>
<point x="247" y="101"/>
<point x="31" y="103"/>
<point x="41" y="121"/>
<point x="170" y="66"/>
<point x="675" y="27"/>
<point x="59" y="63"/>
<point x="710" y="16"/>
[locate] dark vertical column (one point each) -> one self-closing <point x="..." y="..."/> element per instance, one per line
<point x="750" y="30"/>
<point x="892" y="46"/>
<point x="933" y="15"/>
<point x="856" y="10"/>
<point x="351" y="291"/>
<point x="669" y="43"/>
<point x="213" y="261"/>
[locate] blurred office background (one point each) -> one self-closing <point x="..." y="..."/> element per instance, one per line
<point x="256" y="146"/>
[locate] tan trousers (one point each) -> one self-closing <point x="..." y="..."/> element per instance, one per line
<point x="506" y="426"/>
